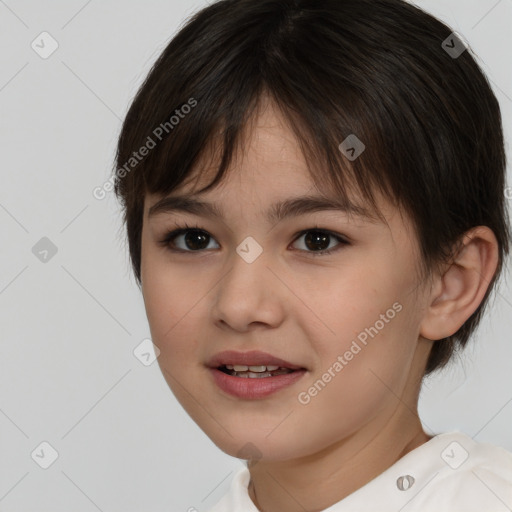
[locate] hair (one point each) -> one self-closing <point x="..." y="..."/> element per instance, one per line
<point x="429" y="121"/>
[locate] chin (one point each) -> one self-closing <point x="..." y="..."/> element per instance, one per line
<point x="255" y="444"/>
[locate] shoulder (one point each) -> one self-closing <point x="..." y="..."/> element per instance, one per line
<point x="449" y="473"/>
<point x="463" y="456"/>
<point x="467" y="476"/>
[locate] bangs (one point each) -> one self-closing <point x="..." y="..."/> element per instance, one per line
<point x="208" y="142"/>
<point x="178" y="161"/>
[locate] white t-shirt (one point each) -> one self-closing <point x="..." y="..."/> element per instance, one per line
<point x="449" y="473"/>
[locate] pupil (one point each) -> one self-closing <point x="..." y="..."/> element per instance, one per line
<point x="316" y="237"/>
<point x="192" y="237"/>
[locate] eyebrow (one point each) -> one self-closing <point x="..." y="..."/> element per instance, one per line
<point x="277" y="212"/>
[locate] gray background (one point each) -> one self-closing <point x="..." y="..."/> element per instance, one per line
<point x="69" y="325"/>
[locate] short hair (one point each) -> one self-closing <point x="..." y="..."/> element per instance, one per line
<point x="376" y="69"/>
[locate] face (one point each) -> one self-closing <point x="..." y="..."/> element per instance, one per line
<point x="331" y="295"/>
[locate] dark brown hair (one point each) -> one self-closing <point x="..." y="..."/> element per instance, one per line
<point x="374" y="68"/>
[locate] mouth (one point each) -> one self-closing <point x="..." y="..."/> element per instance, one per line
<point x="254" y="372"/>
<point x="253" y="361"/>
<point x="253" y="375"/>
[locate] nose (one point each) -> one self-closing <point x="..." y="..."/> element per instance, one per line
<point x="249" y="295"/>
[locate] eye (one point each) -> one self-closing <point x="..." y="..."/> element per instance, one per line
<point x="187" y="239"/>
<point x="317" y="241"/>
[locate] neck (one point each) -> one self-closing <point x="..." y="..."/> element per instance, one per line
<point x="317" y="481"/>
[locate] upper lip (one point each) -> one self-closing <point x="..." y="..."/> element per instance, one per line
<point x="251" y="358"/>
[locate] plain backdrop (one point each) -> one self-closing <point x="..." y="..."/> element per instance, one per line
<point x="114" y="437"/>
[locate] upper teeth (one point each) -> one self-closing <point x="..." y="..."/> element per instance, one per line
<point x="258" y="369"/>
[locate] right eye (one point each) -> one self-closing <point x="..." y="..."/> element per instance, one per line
<point x="187" y="239"/>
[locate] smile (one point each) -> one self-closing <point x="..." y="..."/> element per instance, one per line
<point x="254" y="372"/>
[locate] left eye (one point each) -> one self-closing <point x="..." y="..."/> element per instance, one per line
<point x="319" y="241"/>
<point x="316" y="241"/>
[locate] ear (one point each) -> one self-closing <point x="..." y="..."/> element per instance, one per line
<point x="457" y="293"/>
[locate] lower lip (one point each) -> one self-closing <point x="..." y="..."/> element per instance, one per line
<point x="254" y="388"/>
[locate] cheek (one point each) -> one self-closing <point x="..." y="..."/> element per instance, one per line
<point x="166" y="292"/>
<point x="159" y="300"/>
<point x="368" y="333"/>
<point x="355" y="381"/>
<point x="173" y="321"/>
<point x="351" y="305"/>
<point x="170" y="303"/>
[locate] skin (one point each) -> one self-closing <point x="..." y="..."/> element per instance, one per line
<point x="306" y="309"/>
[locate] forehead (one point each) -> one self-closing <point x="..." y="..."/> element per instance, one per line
<point x="268" y="168"/>
<point x="267" y="153"/>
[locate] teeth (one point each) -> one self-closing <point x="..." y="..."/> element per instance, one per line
<point x="255" y="372"/>
<point x="253" y="375"/>
<point x="258" y="369"/>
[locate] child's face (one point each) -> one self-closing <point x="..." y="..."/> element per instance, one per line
<point x="301" y="308"/>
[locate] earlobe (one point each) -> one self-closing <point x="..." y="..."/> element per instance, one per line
<point x="458" y="292"/>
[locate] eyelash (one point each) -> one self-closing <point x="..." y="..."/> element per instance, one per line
<point x="171" y="235"/>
